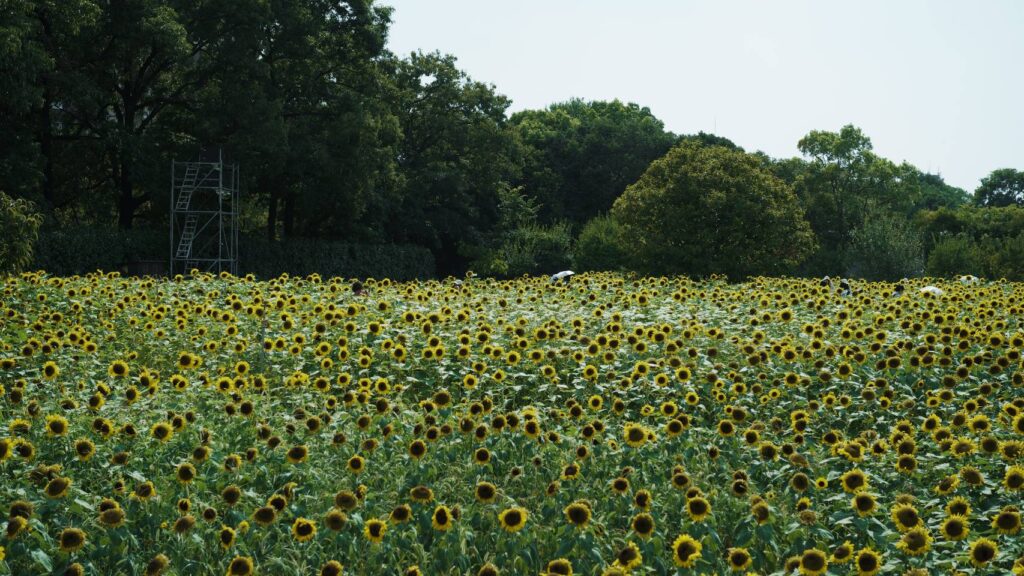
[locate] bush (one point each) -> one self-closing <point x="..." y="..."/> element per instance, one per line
<point x="69" y="250"/>
<point x="530" y="249"/>
<point x="886" y="247"/>
<point x="956" y="255"/>
<point x="703" y="210"/>
<point x="19" y="230"/>
<point x="599" y="246"/>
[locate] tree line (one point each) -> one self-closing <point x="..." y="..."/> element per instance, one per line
<point x="340" y="139"/>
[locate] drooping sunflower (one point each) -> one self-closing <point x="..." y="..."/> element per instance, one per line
<point x="629" y="556"/>
<point x="71" y="540"/>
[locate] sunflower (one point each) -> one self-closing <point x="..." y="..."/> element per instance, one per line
<point x="374" y="530"/>
<point x="578" y="513"/>
<point x="331" y="568"/>
<point x="698" y="508"/>
<point x="441" y="518"/>
<point x="1007" y="521"/>
<point x="226" y="537"/>
<point x="485" y="492"/>
<point x="905" y="517"/>
<point x="1013" y="479"/>
<point x="915" y="542"/>
<point x="71" y="540"/>
<point x="162" y="431"/>
<point x="356" y="464"/>
<point x="958" y="506"/>
<point x="421" y="494"/>
<point x="634" y="434"/>
<point x="57" y="488"/>
<point x="56" y="425"/>
<point x="955" y="528"/>
<point x="401" y="513"/>
<point x="240" y="566"/>
<point x="297" y="454"/>
<point x="842" y="554"/>
<point x="111" y="518"/>
<point x="854" y="481"/>
<point x="863" y="503"/>
<point x="643" y="525"/>
<point x="513" y="519"/>
<point x="739" y="559"/>
<point x="335" y="519"/>
<point x="265" y="515"/>
<point x="303" y="529"/>
<point x="488" y="569"/>
<point x="813" y="562"/>
<point x="983" y="551"/>
<point x="157" y="565"/>
<point x="629" y="556"/>
<point x="558" y="567"/>
<point x="118" y="369"/>
<point x="686" y="551"/>
<point x="868" y="562"/>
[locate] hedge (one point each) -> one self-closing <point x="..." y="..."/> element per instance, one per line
<point x="82" y="249"/>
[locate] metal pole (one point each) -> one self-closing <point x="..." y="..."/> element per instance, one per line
<point x="170" y="263"/>
<point x="220" y="209"/>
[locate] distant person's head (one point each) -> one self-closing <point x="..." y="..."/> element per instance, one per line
<point x="357" y="288"/>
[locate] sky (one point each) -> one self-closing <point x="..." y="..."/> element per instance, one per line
<point x="939" y="84"/>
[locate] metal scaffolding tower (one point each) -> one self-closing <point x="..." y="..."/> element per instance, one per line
<point x="204" y="216"/>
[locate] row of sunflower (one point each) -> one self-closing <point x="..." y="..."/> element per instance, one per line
<point x="214" y="424"/>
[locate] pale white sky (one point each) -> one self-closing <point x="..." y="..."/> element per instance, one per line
<point x="937" y="83"/>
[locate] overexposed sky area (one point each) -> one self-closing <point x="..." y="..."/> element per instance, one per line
<point x="937" y="83"/>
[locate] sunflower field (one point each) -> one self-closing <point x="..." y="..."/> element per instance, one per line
<point x="212" y="425"/>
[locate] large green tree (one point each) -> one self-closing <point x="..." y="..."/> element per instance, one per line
<point x="839" y="183"/>
<point x="701" y="210"/>
<point x="1003" y="187"/>
<point x="580" y="156"/>
<point x="456" y="156"/>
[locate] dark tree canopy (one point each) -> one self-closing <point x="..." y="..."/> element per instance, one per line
<point x="579" y="156"/>
<point x="1003" y="187"/>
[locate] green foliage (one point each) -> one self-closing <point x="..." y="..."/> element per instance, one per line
<point x="704" y="210"/>
<point x="300" y="257"/>
<point x="600" y="246"/>
<point x="972" y="221"/>
<point x="520" y="245"/>
<point x="19" y="229"/>
<point x="1003" y="187"/>
<point x="956" y="255"/>
<point x="580" y="155"/>
<point x="456" y="156"/>
<point x="840" y="182"/>
<point x="935" y="194"/>
<point x="68" y="250"/>
<point x="886" y="247"/>
<point x="987" y="257"/>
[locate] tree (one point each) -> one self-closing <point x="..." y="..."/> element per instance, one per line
<point x="19" y="230"/>
<point x="704" y="210"/>
<point x="887" y="246"/>
<point x="936" y="193"/>
<point x="1003" y="187"/>
<point x="841" y="180"/>
<point x="455" y="157"/>
<point x="600" y="246"/>
<point x="579" y="156"/>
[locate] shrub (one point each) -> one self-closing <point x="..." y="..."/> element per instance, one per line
<point x="956" y="255"/>
<point x="705" y="210"/>
<point x="599" y="246"/>
<point x="886" y="247"/>
<point x="19" y="230"/>
<point x="530" y="249"/>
